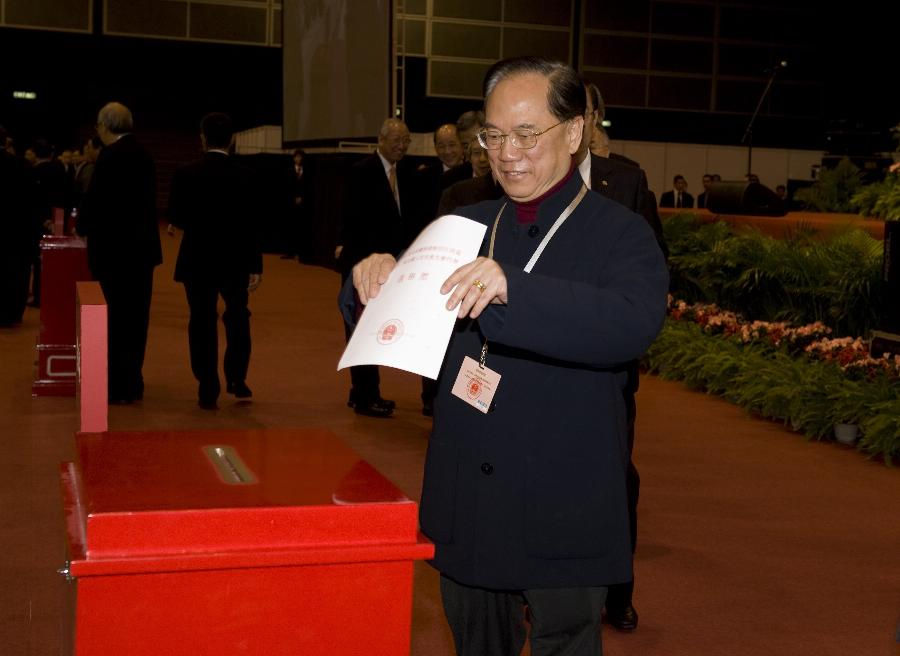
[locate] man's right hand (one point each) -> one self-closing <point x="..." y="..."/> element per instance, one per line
<point x="371" y="273"/>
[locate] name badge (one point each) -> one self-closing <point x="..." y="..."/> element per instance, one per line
<point x="476" y="385"/>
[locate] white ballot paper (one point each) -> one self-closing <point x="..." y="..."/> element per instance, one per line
<point x="408" y="326"/>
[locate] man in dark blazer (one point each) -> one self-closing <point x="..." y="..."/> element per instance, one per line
<point x="118" y="217"/>
<point x="627" y="185"/>
<point x="677" y="197"/>
<point x="381" y="215"/>
<point x="48" y="192"/>
<point x="526" y="503"/>
<point x="212" y="200"/>
<point x="707" y="183"/>
<point x="430" y="176"/>
<point x="16" y="245"/>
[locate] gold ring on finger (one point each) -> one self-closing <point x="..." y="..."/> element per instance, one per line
<point x="481" y="286"/>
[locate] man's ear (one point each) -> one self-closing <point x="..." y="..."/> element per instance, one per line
<point x="574" y="132"/>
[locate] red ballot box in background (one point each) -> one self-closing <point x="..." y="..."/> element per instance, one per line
<point x="63" y="263"/>
<point x="262" y="542"/>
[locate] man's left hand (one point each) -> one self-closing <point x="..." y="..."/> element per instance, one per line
<point x="477" y="284"/>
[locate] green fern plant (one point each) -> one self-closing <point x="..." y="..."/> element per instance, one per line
<point x="833" y="190"/>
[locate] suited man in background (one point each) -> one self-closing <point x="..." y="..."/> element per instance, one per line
<point x="624" y="183"/>
<point x="449" y="150"/>
<point x="467" y="126"/>
<point x="707" y="183"/>
<point x="627" y="185"/>
<point x="380" y="216"/>
<point x="18" y="236"/>
<point x="48" y="191"/>
<point x="677" y="197"/>
<point x="118" y="217"/>
<point x="212" y="201"/>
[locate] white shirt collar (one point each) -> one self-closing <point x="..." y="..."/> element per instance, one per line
<point x="217" y="150"/>
<point x="585" y="169"/>
<point x="386" y="164"/>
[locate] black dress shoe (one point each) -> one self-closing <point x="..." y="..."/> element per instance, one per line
<point x="387" y="403"/>
<point x="121" y="400"/>
<point x="373" y="409"/>
<point x="208" y="404"/>
<point x="239" y="389"/>
<point x="623" y="619"/>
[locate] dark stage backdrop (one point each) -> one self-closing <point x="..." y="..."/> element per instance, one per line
<point x="336" y="68"/>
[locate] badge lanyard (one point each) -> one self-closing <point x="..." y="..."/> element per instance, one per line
<point x="539" y="250"/>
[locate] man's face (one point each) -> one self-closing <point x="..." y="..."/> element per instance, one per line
<point x="395" y="143"/>
<point x="707" y="182"/>
<point x="30" y="156"/>
<point x="298" y="160"/>
<point x="448" y="146"/>
<point x="481" y="162"/>
<point x="466" y="137"/>
<point x="66" y="157"/>
<point x="680" y="184"/>
<point x="519" y="102"/>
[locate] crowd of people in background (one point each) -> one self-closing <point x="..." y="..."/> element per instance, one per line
<point x="33" y="182"/>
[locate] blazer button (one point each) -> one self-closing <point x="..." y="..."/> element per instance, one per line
<point x="487" y="468"/>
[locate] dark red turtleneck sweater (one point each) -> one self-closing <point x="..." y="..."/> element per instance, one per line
<point x="527" y="212"/>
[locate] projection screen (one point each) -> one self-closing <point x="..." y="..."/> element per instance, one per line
<point x="336" y="68"/>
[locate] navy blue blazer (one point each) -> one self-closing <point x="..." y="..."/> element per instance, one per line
<point x="532" y="494"/>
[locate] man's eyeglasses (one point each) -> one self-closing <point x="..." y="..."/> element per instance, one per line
<point x="522" y="138"/>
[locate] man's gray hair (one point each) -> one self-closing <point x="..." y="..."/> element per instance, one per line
<point x="566" y="97"/>
<point x="116" y="117"/>
<point x="469" y="120"/>
<point x="390" y="123"/>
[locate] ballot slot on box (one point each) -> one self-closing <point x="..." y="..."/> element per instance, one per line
<point x="258" y="542"/>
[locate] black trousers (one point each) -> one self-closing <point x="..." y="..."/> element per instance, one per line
<point x="564" y="621"/>
<point x="620" y="594"/>
<point x="128" y="296"/>
<point x="203" y="336"/>
<point x="365" y="381"/>
<point x="15" y="269"/>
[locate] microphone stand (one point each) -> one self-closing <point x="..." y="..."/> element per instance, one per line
<point x="748" y="133"/>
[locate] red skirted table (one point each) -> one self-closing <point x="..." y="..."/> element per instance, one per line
<point x="63" y="263"/>
<point x="259" y="542"/>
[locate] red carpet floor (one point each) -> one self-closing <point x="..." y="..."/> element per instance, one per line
<point x="752" y="540"/>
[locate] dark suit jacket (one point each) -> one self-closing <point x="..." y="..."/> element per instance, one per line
<point x="212" y="200"/>
<point x="16" y="216"/>
<point x="624" y="160"/>
<point x="372" y="223"/>
<point x="468" y="192"/>
<point x="701" y="200"/>
<point x="49" y="188"/>
<point x="668" y="199"/>
<point x="533" y="493"/>
<point x="627" y="185"/>
<point x="118" y="214"/>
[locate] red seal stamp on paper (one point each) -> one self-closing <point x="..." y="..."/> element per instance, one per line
<point x="474" y="389"/>
<point x="390" y="331"/>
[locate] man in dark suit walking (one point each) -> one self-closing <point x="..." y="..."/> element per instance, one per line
<point x="677" y="197"/>
<point x="118" y="217"/>
<point x="212" y="201"/>
<point x="380" y="216"/>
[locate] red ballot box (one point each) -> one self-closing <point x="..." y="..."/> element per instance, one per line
<point x="261" y="542"/>
<point x="63" y="263"/>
